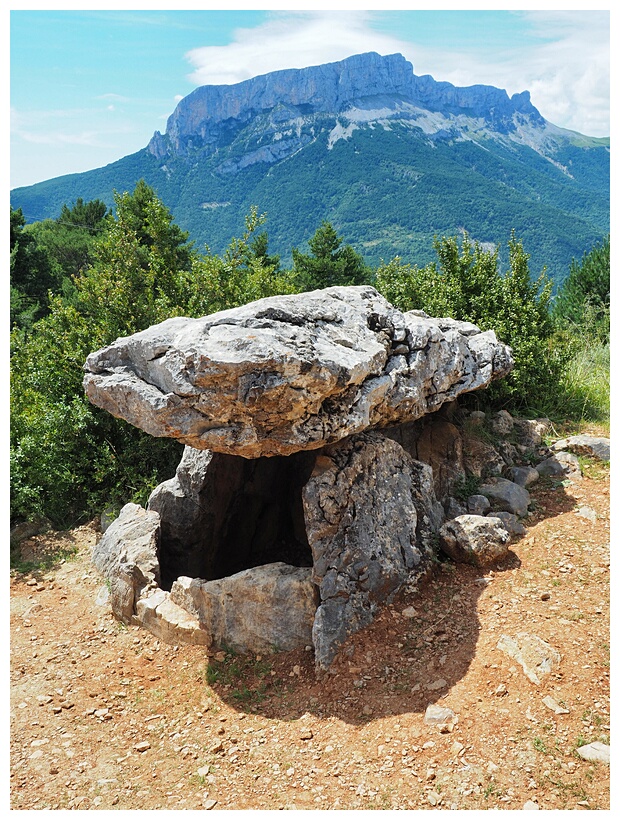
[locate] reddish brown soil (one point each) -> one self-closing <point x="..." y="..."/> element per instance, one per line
<point x="87" y="694"/>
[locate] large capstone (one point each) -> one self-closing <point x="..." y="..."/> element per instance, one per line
<point x="291" y="373"/>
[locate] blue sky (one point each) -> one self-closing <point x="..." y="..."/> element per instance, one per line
<point x="88" y="87"/>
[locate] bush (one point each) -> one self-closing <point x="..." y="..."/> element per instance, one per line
<point x="69" y="459"/>
<point x="582" y="305"/>
<point x="468" y="285"/>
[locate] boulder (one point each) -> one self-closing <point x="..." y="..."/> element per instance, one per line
<point x="523" y="476"/>
<point x="261" y="609"/>
<point x="474" y="539"/>
<point x="502" y="423"/>
<point x="127" y="556"/>
<point x="291" y="373"/>
<point x="529" y="432"/>
<point x="478" y="505"/>
<point x="476" y="418"/>
<point x="506" y="495"/>
<point x="362" y="526"/>
<point x="561" y="464"/>
<point x="510" y="522"/>
<point x="593" y="446"/>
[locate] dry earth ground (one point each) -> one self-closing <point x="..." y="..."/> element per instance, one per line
<point x="104" y="716"/>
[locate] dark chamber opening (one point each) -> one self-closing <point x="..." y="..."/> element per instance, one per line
<point x="248" y="512"/>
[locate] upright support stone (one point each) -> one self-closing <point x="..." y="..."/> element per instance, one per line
<point x="361" y="523"/>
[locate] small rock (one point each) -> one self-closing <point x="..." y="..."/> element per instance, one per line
<point x="409" y="612"/>
<point x="306" y="734"/>
<point x="545" y="596"/>
<point x="596" y="751"/>
<point x="203" y="771"/>
<point x="433" y="798"/>
<point x="552" y="704"/>
<point x="537" y="657"/>
<point x="216" y="748"/>
<point x="367" y="710"/>
<point x="587" y="513"/>
<point x="209" y="803"/>
<point x="430" y="774"/>
<point x="501" y="690"/>
<point x="142" y="746"/>
<point x="530" y="805"/>
<point x="439" y="714"/>
<point x="438" y="684"/>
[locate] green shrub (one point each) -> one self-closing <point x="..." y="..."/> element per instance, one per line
<point x="468" y="285"/>
<point x="70" y="459"/>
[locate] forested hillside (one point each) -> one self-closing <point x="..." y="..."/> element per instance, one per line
<point x="391" y="160"/>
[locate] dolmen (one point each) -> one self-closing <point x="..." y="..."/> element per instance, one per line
<point x="296" y="511"/>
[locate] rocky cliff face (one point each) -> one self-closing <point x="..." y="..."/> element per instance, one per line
<point x="361" y="89"/>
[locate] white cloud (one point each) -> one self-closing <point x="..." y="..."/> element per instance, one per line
<point x="289" y="41"/>
<point x="565" y="64"/>
<point x="566" y="70"/>
<point x="115" y="97"/>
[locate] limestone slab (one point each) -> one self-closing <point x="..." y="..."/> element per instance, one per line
<point x="291" y="373"/>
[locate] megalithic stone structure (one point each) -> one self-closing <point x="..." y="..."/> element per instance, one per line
<point x="305" y="389"/>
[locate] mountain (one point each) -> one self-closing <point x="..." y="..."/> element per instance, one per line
<point x="390" y="158"/>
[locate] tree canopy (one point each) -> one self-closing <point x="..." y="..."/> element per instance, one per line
<point x="90" y="276"/>
<point x="329" y="263"/>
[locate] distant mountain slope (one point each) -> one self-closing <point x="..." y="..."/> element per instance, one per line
<point x="391" y="159"/>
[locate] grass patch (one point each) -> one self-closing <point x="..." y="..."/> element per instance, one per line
<point x="584" y="393"/>
<point x="247" y="676"/>
<point x="593" y="468"/>
<point x="466" y="486"/>
<point x="43" y="563"/>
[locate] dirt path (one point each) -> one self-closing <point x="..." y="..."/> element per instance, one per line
<point x="104" y="716"/>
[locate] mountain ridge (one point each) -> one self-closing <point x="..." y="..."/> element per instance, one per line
<point x="293" y="140"/>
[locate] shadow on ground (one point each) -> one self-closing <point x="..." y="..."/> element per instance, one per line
<point x="398" y="664"/>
